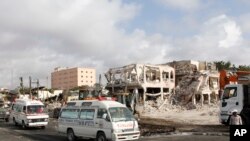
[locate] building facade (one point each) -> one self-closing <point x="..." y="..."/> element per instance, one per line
<point x="141" y="82"/>
<point x="67" y="78"/>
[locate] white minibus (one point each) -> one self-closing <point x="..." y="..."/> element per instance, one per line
<point x="29" y="113"/>
<point x="98" y="119"/>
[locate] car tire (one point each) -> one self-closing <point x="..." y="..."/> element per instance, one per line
<point x="6" y="119"/>
<point x="14" y="121"/>
<point x="23" y="125"/>
<point x="71" y="135"/>
<point x="101" y="137"/>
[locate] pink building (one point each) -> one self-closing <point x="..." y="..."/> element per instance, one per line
<point x="67" y="78"/>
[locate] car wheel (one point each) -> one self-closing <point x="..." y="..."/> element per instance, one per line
<point x="14" y="121"/>
<point x="71" y="135"/>
<point x="101" y="137"/>
<point x="23" y="125"/>
<point x="7" y="119"/>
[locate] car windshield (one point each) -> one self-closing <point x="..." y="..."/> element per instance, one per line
<point x="35" y="109"/>
<point x="229" y="92"/>
<point x="120" y="114"/>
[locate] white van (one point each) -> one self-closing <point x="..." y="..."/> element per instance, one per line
<point x="29" y="113"/>
<point x="100" y="119"/>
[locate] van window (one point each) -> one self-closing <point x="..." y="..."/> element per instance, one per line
<point x="70" y="113"/>
<point x="31" y="109"/>
<point x="17" y="108"/>
<point x="87" y="114"/>
<point x="120" y="114"/>
<point x="100" y="112"/>
<point x="230" y="92"/>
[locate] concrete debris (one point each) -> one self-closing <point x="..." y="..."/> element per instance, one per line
<point x="196" y="81"/>
<point x="53" y="109"/>
<point x="135" y="84"/>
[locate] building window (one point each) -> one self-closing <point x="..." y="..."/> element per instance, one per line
<point x="86" y="71"/>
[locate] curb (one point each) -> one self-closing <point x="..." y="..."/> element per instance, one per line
<point x="187" y="134"/>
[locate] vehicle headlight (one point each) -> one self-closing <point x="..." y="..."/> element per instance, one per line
<point x="46" y="119"/>
<point x="136" y="129"/>
<point x="7" y="113"/>
<point x="29" y="120"/>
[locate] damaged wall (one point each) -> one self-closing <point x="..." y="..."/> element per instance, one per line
<point x="196" y="81"/>
<point x="141" y="81"/>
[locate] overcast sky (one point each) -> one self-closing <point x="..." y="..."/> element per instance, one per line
<point x="38" y="35"/>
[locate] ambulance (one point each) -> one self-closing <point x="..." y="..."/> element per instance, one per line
<point x="101" y="119"/>
<point x="29" y="113"/>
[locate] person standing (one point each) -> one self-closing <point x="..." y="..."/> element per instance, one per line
<point x="235" y="118"/>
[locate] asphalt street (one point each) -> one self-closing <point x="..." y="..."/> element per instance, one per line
<point x="9" y="132"/>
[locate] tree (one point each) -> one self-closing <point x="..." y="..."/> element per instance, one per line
<point x="220" y="65"/>
<point x="244" y="68"/>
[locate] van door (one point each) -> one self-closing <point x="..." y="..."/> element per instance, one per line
<point x="87" y="122"/>
<point x="19" y="112"/>
<point x="103" y="124"/>
<point x="69" y="119"/>
<point x="230" y="99"/>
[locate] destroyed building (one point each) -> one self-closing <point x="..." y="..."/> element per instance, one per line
<point x="196" y="81"/>
<point x="140" y="82"/>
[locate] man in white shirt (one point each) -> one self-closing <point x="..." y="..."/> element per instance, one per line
<point x="235" y="118"/>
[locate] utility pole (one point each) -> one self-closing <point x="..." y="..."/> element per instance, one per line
<point x="37" y="85"/>
<point x="21" y="83"/>
<point x="30" y="86"/>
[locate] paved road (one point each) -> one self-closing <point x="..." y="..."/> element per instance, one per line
<point x="9" y="132"/>
<point x="187" y="138"/>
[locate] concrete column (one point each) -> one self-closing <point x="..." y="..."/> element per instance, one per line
<point x="202" y="99"/>
<point x="209" y="98"/>
<point x="162" y="93"/>
<point x="193" y="99"/>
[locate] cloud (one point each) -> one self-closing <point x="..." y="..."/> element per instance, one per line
<point x="182" y="4"/>
<point x="228" y="30"/>
<point x="37" y="36"/>
<point x="219" y="38"/>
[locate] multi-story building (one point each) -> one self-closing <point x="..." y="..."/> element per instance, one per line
<point x="140" y="82"/>
<point x="67" y="78"/>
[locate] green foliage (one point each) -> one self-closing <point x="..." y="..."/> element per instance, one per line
<point x="84" y="87"/>
<point x="220" y="65"/>
<point x="24" y="90"/>
<point x="244" y="68"/>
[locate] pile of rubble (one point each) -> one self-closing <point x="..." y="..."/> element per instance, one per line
<point x="187" y="87"/>
<point x="188" y="114"/>
<point x="53" y="109"/>
<point x="164" y="106"/>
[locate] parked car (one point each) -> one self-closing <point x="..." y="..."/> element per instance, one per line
<point x="4" y="114"/>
